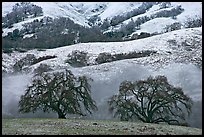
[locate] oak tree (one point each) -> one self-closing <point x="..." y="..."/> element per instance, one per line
<point x="60" y="92"/>
<point x="152" y="101"/>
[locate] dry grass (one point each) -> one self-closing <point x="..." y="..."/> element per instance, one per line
<point x="43" y="126"/>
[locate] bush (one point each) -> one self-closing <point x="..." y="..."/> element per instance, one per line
<point x="172" y="27"/>
<point x="107" y="57"/>
<point x="7" y="50"/>
<point x="42" y="58"/>
<point x="27" y="60"/>
<point x="192" y="23"/>
<point x="77" y="58"/>
<point x="42" y="68"/>
<point x="144" y="35"/>
<point x="104" y="57"/>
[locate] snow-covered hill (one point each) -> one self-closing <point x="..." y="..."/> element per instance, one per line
<point x="78" y="12"/>
<point x="81" y="12"/>
<point x="181" y="46"/>
<point x="192" y="10"/>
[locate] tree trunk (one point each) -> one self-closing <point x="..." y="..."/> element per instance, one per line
<point x="60" y="112"/>
<point x="61" y="115"/>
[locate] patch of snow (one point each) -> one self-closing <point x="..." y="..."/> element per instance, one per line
<point x="28" y="36"/>
<point x="191" y="10"/>
<point x="62" y="9"/>
<point x="19" y="25"/>
<point x="156" y="25"/>
<point x="147" y="14"/>
<point x="118" y="8"/>
<point x="154" y="8"/>
<point x="7" y="7"/>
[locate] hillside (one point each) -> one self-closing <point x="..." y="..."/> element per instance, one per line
<point x="71" y="23"/>
<point x="181" y="46"/>
<point x="90" y="127"/>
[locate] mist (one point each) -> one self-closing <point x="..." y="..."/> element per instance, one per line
<point x="186" y="76"/>
<point x="13" y="86"/>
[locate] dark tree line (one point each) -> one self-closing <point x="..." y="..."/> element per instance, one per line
<point x="108" y="57"/>
<point x="52" y="33"/>
<point x="80" y="58"/>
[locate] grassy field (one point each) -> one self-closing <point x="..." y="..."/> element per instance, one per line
<point x="44" y="126"/>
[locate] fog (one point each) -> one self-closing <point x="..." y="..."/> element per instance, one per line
<point x="13" y="86"/>
<point x="189" y="77"/>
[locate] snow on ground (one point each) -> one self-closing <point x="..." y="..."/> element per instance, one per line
<point x="191" y="10"/>
<point x="62" y="9"/>
<point x="154" y="8"/>
<point x="51" y="9"/>
<point x="19" y="25"/>
<point x="89" y="9"/>
<point x="118" y="8"/>
<point x="80" y="12"/>
<point x="147" y="14"/>
<point x="7" y="7"/>
<point x="159" y="43"/>
<point x="156" y="25"/>
<point x="28" y="36"/>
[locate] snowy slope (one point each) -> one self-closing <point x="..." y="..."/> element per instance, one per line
<point x="166" y="50"/>
<point x="19" y="25"/>
<point x="180" y="62"/>
<point x="158" y="23"/>
<point x="51" y="9"/>
<point x="80" y="12"/>
<point x="192" y="10"/>
<point x="77" y="12"/>
<point x="62" y="9"/>
<point x="118" y="8"/>
<point x="7" y="7"/>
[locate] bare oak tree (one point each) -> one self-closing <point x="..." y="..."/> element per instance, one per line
<point x="153" y="101"/>
<point x="60" y="92"/>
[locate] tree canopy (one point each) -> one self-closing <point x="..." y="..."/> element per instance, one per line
<point x="60" y="92"/>
<point x="153" y="101"/>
